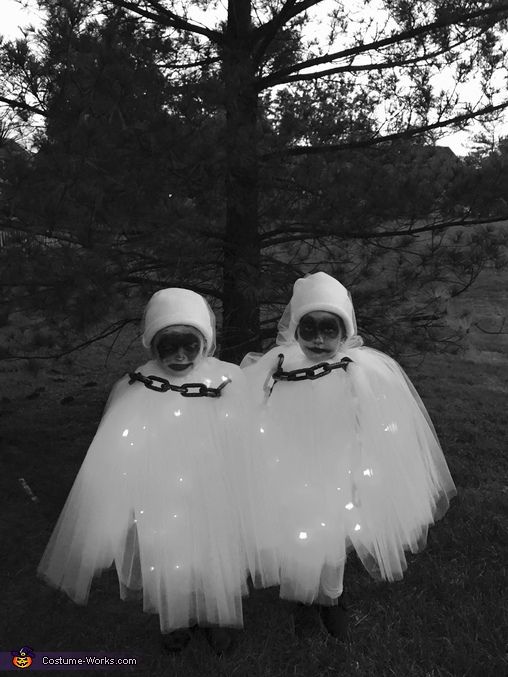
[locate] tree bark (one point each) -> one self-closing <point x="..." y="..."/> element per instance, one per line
<point x="241" y="263"/>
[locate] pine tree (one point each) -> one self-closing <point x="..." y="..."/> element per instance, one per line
<point x="301" y="142"/>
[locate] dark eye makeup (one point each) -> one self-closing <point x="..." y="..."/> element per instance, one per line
<point x="308" y="329"/>
<point x="170" y="344"/>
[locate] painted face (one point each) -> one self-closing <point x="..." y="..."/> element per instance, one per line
<point x="319" y="335"/>
<point x="178" y="349"/>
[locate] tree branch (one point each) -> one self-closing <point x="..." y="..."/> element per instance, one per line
<point x="295" y="234"/>
<point x="15" y="228"/>
<point x="14" y="103"/>
<point x="112" y="329"/>
<point x="487" y="331"/>
<point x="203" y="290"/>
<point x="166" y="17"/>
<point x="402" y="36"/>
<point x="376" y="66"/>
<point x="434" y="227"/>
<point x="193" y="64"/>
<point x="268" y="31"/>
<point x="408" y="133"/>
<point x="299" y="7"/>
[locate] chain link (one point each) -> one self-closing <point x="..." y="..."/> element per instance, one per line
<point x="308" y="373"/>
<point x="185" y="390"/>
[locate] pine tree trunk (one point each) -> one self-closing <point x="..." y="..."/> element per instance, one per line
<point x="241" y="262"/>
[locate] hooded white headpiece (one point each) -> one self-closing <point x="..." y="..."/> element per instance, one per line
<point x="172" y="306"/>
<point x="318" y="291"/>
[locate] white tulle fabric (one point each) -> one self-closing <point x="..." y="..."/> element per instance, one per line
<point x="169" y="492"/>
<point x="353" y="462"/>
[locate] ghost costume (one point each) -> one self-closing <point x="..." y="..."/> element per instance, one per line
<point x="351" y="456"/>
<point x="167" y="491"/>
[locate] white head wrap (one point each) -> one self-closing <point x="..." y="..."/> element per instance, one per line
<point x="172" y="306"/>
<point x="318" y="291"/>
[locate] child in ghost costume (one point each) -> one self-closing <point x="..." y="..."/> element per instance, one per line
<point x="166" y="491"/>
<point x="352" y="458"/>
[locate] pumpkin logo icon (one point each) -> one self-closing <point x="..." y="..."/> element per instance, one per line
<point x="23" y="658"/>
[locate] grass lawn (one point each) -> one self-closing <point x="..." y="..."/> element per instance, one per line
<point x="448" y="617"/>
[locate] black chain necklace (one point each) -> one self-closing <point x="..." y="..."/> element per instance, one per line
<point x="308" y="373"/>
<point x="185" y="390"/>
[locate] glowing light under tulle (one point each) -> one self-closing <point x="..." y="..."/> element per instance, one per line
<point x="354" y="452"/>
<point x="189" y="519"/>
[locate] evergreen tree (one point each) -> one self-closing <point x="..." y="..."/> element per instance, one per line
<point x="298" y="140"/>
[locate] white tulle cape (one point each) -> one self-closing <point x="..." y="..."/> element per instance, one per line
<point x="353" y="461"/>
<point x="169" y="492"/>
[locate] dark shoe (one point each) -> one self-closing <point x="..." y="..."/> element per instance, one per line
<point x="335" y="619"/>
<point x="175" y="641"/>
<point x="221" y="640"/>
<point x="304" y="619"/>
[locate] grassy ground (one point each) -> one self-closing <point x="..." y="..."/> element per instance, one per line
<point x="447" y="618"/>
